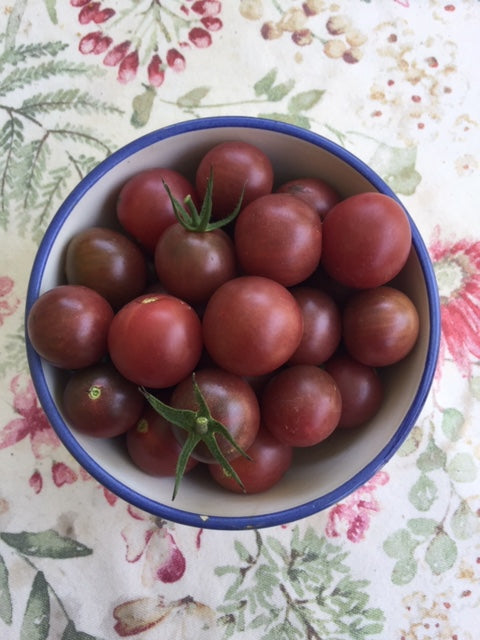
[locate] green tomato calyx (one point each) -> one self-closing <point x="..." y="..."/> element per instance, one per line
<point x="201" y="427"/>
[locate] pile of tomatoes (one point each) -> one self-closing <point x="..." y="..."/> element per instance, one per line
<point x="228" y="319"/>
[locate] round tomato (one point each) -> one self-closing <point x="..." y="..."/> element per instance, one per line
<point x="100" y="402"/>
<point x="68" y="326"/>
<point x="366" y="240"/>
<point x="301" y="405"/>
<point x="251" y="325"/>
<point x="279" y="236"/>
<point x="317" y="193"/>
<point x="230" y="400"/>
<point x="236" y="166"/>
<point x="380" y="326"/>
<point x="153" y="447"/>
<point x="269" y="461"/>
<point x="192" y="264"/>
<point x="322" y="326"/>
<point x="108" y="262"/>
<point x="144" y="208"/>
<point x="155" y="340"/>
<point x="360" y="387"/>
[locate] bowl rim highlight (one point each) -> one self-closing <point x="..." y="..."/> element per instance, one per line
<point x="172" y="513"/>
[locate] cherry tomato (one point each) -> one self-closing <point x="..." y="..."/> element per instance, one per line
<point x="279" y="236"/>
<point x="68" y="326"/>
<point x="366" y="240"/>
<point x="236" y="166"/>
<point x="270" y="460"/>
<point x="144" y="208"/>
<point x="322" y="326"/>
<point x="317" y="193"/>
<point x="301" y="405"/>
<point x="191" y="264"/>
<point x="108" y="262"/>
<point x="230" y="400"/>
<point x="252" y="325"/>
<point x="155" y="340"/>
<point x="153" y="447"/>
<point x="360" y="387"/>
<point x="380" y="326"/>
<point x="100" y="402"/>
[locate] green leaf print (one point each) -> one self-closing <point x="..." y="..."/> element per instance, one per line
<point x="280" y="588"/>
<point x="462" y="467"/>
<point x="71" y="633"/>
<point x="404" y="570"/>
<point x="396" y="165"/>
<point x="45" y="544"/>
<point x="432" y="458"/>
<point x="423" y="493"/>
<point x="452" y="424"/>
<point x="5" y="597"/>
<point x="464" y="522"/>
<point x="305" y="100"/>
<point x="36" y="620"/>
<point x="441" y="553"/>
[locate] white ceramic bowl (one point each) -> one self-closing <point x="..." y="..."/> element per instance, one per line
<point x="320" y="476"/>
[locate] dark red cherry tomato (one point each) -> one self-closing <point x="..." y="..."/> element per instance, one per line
<point x="269" y="461"/>
<point x="366" y="240"/>
<point x="144" y="208"/>
<point x="320" y="195"/>
<point x="279" y="236"/>
<point x="236" y="165"/>
<point x="108" y="262"/>
<point x="251" y="325"/>
<point x="322" y="326"/>
<point x="192" y="264"/>
<point x="301" y="405"/>
<point x="68" y="326"/>
<point x="155" y="340"/>
<point x="230" y="400"/>
<point x="360" y="387"/>
<point x="100" y="402"/>
<point x="153" y="447"/>
<point x="380" y="326"/>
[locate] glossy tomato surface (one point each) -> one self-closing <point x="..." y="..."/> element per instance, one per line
<point x="108" y="262"/>
<point x="230" y="400"/>
<point x="301" y="405"/>
<point x="68" y="326"/>
<point x="366" y="240"/>
<point x="279" y="236"/>
<point x="100" y="402"/>
<point x="252" y="325"/>
<point x="144" y="208"/>
<point x="236" y="167"/>
<point x="380" y="326"/>
<point x="269" y="460"/>
<point x="320" y="195"/>
<point x="155" y="340"/>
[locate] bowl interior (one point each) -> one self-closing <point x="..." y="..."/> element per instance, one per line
<point x="321" y="475"/>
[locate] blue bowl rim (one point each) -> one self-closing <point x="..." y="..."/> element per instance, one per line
<point x="230" y="522"/>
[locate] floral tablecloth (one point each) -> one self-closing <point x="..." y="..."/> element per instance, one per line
<point x="396" y="83"/>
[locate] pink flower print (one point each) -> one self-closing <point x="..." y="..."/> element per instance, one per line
<point x="128" y="67"/>
<point x="8" y="300"/>
<point x="63" y="474"/>
<point x="32" y="421"/>
<point x="175" y="60"/>
<point x="162" y="558"/>
<point x="207" y="7"/>
<point x="200" y="38"/>
<point x="211" y="23"/>
<point x="457" y="269"/>
<point x="88" y="11"/>
<point x="355" y="513"/>
<point x="36" y="481"/>
<point x="95" y="43"/>
<point x="117" y="54"/>
<point x="156" y="71"/>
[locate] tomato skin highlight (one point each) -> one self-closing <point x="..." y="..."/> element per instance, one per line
<point x="301" y="405"/>
<point x="317" y="193"/>
<point x="279" y="236"/>
<point x="153" y="447"/>
<point x="236" y="166"/>
<point x="251" y="325"/>
<point x="270" y="460"/>
<point x="366" y="240"/>
<point x="380" y="326"/>
<point x="68" y="326"/>
<point x="155" y="340"/>
<point x="143" y="206"/>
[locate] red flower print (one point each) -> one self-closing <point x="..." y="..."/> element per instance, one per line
<point x="355" y="512"/>
<point x="32" y="421"/>
<point x="148" y="31"/>
<point x="8" y="300"/>
<point x="457" y="269"/>
<point x="36" y="481"/>
<point x="63" y="474"/>
<point x="146" y="540"/>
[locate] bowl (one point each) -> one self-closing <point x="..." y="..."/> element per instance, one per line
<point x="320" y="476"/>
